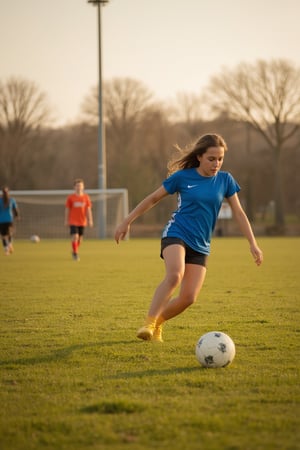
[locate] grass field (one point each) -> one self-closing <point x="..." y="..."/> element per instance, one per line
<point x="74" y="376"/>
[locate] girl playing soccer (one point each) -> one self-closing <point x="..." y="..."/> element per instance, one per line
<point x="201" y="188"/>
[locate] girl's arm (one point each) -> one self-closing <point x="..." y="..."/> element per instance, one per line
<point x="245" y="227"/>
<point x="16" y="212"/>
<point x="90" y="217"/>
<point x="144" y="206"/>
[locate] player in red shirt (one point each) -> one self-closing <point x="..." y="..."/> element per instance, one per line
<point x="78" y="214"/>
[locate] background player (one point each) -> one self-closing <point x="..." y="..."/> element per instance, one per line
<point x="78" y="214"/>
<point x="8" y="212"/>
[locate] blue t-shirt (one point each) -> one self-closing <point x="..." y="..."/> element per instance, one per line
<point x="199" y="202"/>
<point x="7" y="213"/>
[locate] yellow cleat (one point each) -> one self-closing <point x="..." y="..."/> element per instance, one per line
<point x="146" y="332"/>
<point x="157" y="334"/>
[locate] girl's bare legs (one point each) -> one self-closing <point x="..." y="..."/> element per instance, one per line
<point x="174" y="263"/>
<point x="162" y="308"/>
<point x="174" y="256"/>
<point x="191" y="285"/>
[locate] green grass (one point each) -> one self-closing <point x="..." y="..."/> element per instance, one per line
<point x="73" y="376"/>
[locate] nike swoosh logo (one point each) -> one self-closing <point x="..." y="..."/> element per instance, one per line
<point x="189" y="186"/>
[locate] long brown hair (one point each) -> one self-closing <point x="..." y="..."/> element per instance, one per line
<point x="5" y="196"/>
<point x="188" y="156"/>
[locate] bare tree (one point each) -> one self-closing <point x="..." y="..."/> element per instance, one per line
<point x="187" y="107"/>
<point x="265" y="95"/>
<point x="23" y="110"/>
<point x="125" y="101"/>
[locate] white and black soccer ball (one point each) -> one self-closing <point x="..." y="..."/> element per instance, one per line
<point x="215" y="349"/>
<point x="35" y="238"/>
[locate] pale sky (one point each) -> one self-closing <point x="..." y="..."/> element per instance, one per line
<point x="171" y="46"/>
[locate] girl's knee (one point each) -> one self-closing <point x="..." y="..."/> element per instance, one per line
<point x="174" y="279"/>
<point x="189" y="299"/>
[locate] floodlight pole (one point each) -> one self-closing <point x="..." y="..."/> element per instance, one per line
<point x="101" y="136"/>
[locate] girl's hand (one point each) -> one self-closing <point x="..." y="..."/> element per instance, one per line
<point x="121" y="231"/>
<point x="257" y="254"/>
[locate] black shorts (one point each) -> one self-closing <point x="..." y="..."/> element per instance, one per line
<point x="5" y="228"/>
<point x="191" y="256"/>
<point x="75" y="229"/>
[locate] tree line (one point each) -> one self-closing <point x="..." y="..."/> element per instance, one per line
<point x="256" y="107"/>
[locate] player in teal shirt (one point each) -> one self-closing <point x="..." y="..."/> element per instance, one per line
<point x="8" y="211"/>
<point x="201" y="188"/>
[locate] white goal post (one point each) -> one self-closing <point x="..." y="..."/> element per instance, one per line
<point x="42" y="212"/>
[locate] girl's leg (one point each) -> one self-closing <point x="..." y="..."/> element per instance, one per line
<point x="174" y="256"/>
<point x="174" y="264"/>
<point x="191" y="285"/>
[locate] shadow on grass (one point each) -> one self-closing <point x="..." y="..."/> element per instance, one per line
<point x="64" y="353"/>
<point x="61" y="354"/>
<point x="114" y="407"/>
<point x="155" y="372"/>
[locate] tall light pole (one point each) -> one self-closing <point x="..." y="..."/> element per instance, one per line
<point x="101" y="140"/>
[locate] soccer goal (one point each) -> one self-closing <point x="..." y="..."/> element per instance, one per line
<point x="42" y="212"/>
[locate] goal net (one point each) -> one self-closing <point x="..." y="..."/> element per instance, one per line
<point x="42" y="212"/>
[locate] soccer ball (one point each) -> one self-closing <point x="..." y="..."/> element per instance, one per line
<point x="215" y="349"/>
<point x="35" y="239"/>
